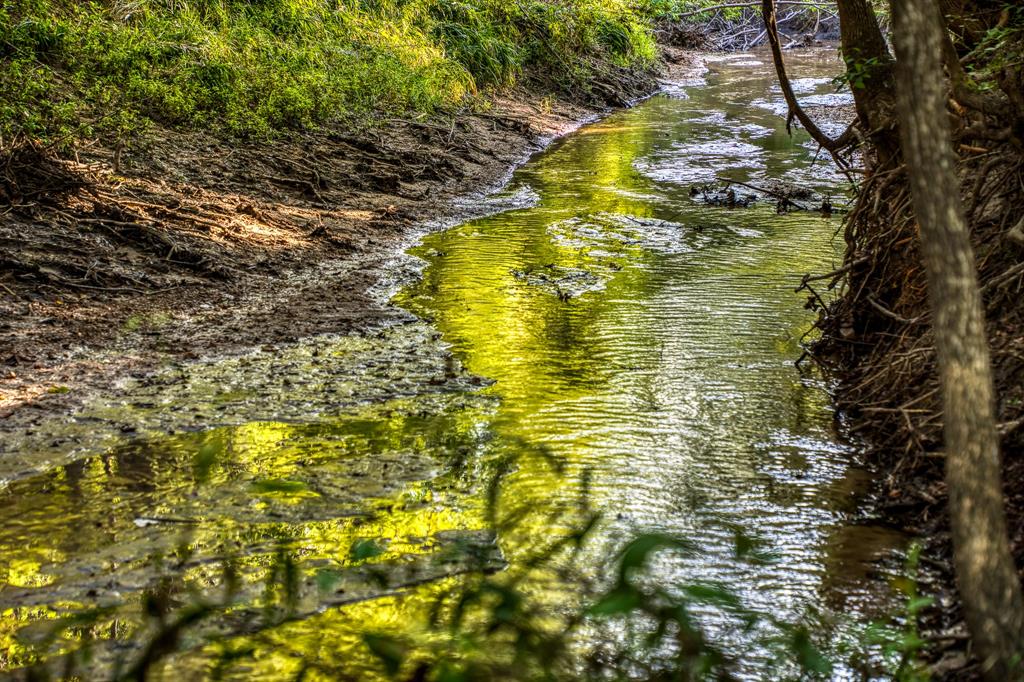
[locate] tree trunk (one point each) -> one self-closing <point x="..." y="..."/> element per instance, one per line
<point x="870" y="68"/>
<point x="989" y="585"/>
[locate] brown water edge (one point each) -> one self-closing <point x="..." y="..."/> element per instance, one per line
<point x="631" y="332"/>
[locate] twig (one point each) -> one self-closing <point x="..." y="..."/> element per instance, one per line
<point x="732" y="5"/>
<point x="890" y="314"/>
<point x="835" y="273"/>
<point x="1003" y="279"/>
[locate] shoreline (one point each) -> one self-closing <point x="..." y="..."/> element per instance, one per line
<point x="269" y="258"/>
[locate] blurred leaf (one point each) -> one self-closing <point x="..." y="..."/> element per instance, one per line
<point x="623" y="599"/>
<point x="634" y="556"/>
<point x="364" y="549"/>
<point x="919" y="603"/>
<point x="808" y="656"/>
<point x="205" y="459"/>
<point x="904" y="585"/>
<point x="279" y="485"/>
<point x="750" y="548"/>
<point x="327" y="579"/>
<point x="391" y="651"/>
<point x="709" y="593"/>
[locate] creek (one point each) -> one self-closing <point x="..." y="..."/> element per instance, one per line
<point x="600" y="326"/>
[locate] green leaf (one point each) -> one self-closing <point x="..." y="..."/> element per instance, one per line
<point x="205" y="459"/>
<point x="365" y="549"/>
<point x="808" y="656"/>
<point x="389" y="650"/>
<point x="915" y="605"/>
<point x="709" y="593"/>
<point x="636" y="552"/>
<point x="751" y="548"/>
<point x="279" y="485"/>
<point x="327" y="579"/>
<point x="623" y="599"/>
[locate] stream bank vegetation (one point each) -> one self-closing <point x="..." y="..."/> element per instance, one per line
<point x="929" y="290"/>
<point x="73" y="70"/>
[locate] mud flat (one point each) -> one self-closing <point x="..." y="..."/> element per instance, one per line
<point x="183" y="245"/>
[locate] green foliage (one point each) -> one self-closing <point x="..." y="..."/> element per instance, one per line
<point x="545" y="617"/>
<point x="278" y="485"/>
<point x="898" y="640"/>
<point x="471" y="36"/>
<point x="498" y="627"/>
<point x="1000" y="48"/>
<point x="672" y="10"/>
<point x="858" y="72"/>
<point x="253" y="68"/>
<point x="365" y="549"/>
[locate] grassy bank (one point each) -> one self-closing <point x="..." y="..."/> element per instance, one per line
<point x="72" y="69"/>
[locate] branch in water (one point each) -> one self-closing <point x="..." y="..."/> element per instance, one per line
<point x="795" y="111"/>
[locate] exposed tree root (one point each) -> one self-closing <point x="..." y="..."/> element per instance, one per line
<point x="876" y="339"/>
<point x="30" y="172"/>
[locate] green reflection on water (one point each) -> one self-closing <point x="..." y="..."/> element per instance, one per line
<point x="632" y="333"/>
<point x="100" y="530"/>
<point x="629" y="328"/>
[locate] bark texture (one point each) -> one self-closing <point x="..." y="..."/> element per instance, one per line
<point x="870" y="67"/>
<point x="989" y="585"/>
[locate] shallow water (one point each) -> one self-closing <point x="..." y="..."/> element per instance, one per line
<point x="601" y="319"/>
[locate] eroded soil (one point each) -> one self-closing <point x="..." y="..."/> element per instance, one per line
<point x="186" y="246"/>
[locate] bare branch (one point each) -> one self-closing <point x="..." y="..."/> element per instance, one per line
<point x="731" y="5"/>
<point x="795" y="111"/>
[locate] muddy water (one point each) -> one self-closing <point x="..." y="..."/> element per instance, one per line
<point x="602" y="324"/>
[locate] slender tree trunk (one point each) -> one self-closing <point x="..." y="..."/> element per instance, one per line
<point x="989" y="584"/>
<point x="869" y="63"/>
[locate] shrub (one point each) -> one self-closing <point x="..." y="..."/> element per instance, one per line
<point x="255" y="67"/>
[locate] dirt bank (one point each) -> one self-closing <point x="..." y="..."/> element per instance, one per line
<point x="878" y="344"/>
<point x="184" y="245"/>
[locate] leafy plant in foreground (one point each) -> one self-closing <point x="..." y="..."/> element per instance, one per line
<point x="547" y="616"/>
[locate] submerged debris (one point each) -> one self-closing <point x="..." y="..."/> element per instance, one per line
<point x="788" y="196"/>
<point x="565" y="283"/>
<point x="717" y="197"/>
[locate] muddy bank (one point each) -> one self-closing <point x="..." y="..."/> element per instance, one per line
<point x="183" y="245"/>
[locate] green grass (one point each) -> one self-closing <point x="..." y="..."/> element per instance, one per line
<point x="72" y="69"/>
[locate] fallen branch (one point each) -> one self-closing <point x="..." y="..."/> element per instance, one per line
<point x="795" y="111"/>
<point x="778" y="195"/>
<point x="731" y="5"/>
